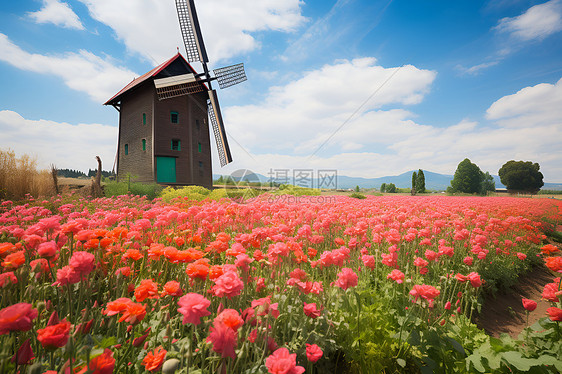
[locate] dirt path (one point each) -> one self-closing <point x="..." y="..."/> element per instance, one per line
<point x="504" y="313"/>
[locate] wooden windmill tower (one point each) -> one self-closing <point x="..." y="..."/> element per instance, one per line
<point x="163" y="126"/>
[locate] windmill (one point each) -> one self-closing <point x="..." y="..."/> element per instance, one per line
<point x="190" y="83"/>
<point x="164" y="135"/>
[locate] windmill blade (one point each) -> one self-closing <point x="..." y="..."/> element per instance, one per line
<point x="218" y="128"/>
<point x="178" y="85"/>
<point x="230" y="75"/>
<point x="190" y="31"/>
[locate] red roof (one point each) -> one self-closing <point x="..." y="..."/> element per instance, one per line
<point x="135" y="82"/>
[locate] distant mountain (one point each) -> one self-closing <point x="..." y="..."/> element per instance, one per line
<point x="433" y="181"/>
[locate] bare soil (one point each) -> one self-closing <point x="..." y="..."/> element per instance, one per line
<point x="504" y="312"/>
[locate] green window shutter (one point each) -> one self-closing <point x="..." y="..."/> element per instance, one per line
<point x="144" y="144"/>
<point x="174" y="117"/>
<point x="144" y="118"/>
<point x="176" y="145"/>
<point x="199" y="147"/>
<point x="126" y="149"/>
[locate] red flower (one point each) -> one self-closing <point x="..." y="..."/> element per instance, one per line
<point x="55" y="336"/>
<point x="311" y="310"/>
<point x="346" y="278"/>
<point x="153" y="360"/>
<point x="313" y="352"/>
<point x="474" y="279"/>
<point x="467" y="260"/>
<point x="193" y="306"/>
<point x="554" y="313"/>
<point x="368" y="261"/>
<point x="521" y="256"/>
<point x="230" y="318"/>
<point x="426" y="292"/>
<point x="282" y="362"/>
<point x="550" y="290"/>
<point x="24" y="354"/>
<point x="102" y="364"/>
<point x="530" y="305"/>
<point x="420" y="262"/>
<point x="17" y="317"/>
<point x="396" y="275"/>
<point x="224" y="339"/>
<point x="47" y="249"/>
<point x="7" y="279"/>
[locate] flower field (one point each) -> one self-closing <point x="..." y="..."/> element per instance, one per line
<point x="333" y="285"/>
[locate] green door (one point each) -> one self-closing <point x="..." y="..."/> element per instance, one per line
<point x="166" y="169"/>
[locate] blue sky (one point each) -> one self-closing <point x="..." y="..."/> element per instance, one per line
<point x="367" y="87"/>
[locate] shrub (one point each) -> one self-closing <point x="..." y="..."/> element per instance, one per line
<point x="358" y="195"/>
<point x="118" y="188"/>
<point x="19" y="176"/>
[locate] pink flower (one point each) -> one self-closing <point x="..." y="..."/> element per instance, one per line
<point x="529" y="305"/>
<point x="47" y="249"/>
<point x="521" y="256"/>
<point x="228" y="284"/>
<point x="396" y="275"/>
<point x="369" y="261"/>
<point x="468" y="260"/>
<point x="311" y="311"/>
<point x="431" y="255"/>
<point x="313" y="352"/>
<point x="66" y="275"/>
<point x="347" y="278"/>
<point x="82" y="262"/>
<point x="420" y="262"/>
<point x="282" y="362"/>
<point x="193" y="306"/>
<point x="17" y="317"/>
<point x="224" y="339"/>
<point x="7" y="279"/>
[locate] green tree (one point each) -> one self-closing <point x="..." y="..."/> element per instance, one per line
<point x="414" y="181"/>
<point x="383" y="187"/>
<point x="487" y="184"/>
<point x="468" y="178"/>
<point x="420" y="182"/>
<point x="521" y="176"/>
<point x="391" y="188"/>
<point x="356" y="188"/>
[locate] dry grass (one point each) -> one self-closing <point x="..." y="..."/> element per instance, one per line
<point x="19" y="176"/>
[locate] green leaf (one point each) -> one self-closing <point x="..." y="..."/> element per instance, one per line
<point x="456" y="345"/>
<point x="550" y="361"/>
<point x="476" y="361"/>
<point x="108" y="342"/>
<point x="520" y="363"/>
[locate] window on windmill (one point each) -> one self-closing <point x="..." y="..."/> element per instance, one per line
<point x="174" y="117"/>
<point x="144" y="118"/>
<point x="144" y="144"/>
<point x="176" y="145"/>
<point x="126" y="149"/>
<point x="201" y="165"/>
<point x="199" y="147"/>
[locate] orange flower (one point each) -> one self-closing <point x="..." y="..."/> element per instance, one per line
<point x="549" y="249"/>
<point x="14" y="260"/>
<point x="554" y="264"/>
<point x="134" y="313"/>
<point x="230" y="318"/>
<point x="172" y="288"/>
<point x="153" y="360"/>
<point x="146" y="290"/>
<point x="117" y="306"/>
<point x="198" y="269"/>
<point x="133" y="254"/>
<point x="6" y="248"/>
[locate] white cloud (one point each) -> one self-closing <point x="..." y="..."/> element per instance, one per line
<point x="58" y="13"/>
<point x="61" y="144"/>
<point x="529" y="107"/>
<point x="477" y="69"/>
<point x="301" y="115"/>
<point x="82" y="71"/>
<point x="537" y="22"/>
<point x="384" y="138"/>
<point x="151" y="28"/>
